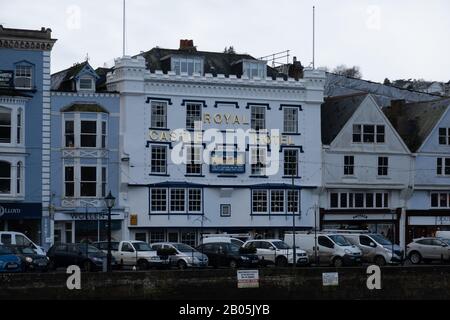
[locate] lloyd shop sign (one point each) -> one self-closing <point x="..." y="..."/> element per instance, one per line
<point x="12" y="211"/>
<point x="6" y="78"/>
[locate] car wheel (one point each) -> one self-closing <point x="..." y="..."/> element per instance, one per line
<point x="181" y="264"/>
<point x="281" y="262"/>
<point x="380" y="261"/>
<point x="338" y="262"/>
<point x="143" y="265"/>
<point x="87" y="266"/>
<point x="233" y="264"/>
<point x="415" y="257"/>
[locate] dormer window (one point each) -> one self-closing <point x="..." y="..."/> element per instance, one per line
<point x="187" y="65"/>
<point x="254" y="68"/>
<point x="86" y="83"/>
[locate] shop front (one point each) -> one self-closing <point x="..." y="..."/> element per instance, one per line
<point x="421" y="223"/>
<point x="76" y="227"/>
<point x="22" y="217"/>
<point x="385" y="223"/>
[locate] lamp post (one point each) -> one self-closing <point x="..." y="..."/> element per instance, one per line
<point x="294" y="258"/>
<point x="109" y="202"/>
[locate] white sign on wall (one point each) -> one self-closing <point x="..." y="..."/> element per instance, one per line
<point x="248" y="278"/>
<point x="330" y="279"/>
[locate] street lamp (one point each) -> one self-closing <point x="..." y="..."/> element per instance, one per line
<point x="109" y="202"/>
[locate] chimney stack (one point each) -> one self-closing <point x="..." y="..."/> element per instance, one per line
<point x="187" y="44"/>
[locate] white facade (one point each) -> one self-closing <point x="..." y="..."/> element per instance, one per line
<point x="226" y="104"/>
<point x="384" y="193"/>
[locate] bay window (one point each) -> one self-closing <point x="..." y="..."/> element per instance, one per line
<point x="176" y="200"/>
<point x="275" y="201"/>
<point x="85" y="181"/>
<point x="85" y="130"/>
<point x="11" y="177"/>
<point x="5" y="177"/>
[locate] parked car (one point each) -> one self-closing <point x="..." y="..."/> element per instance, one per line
<point x="132" y="253"/>
<point x="278" y="252"/>
<point x="222" y="239"/>
<point x="185" y="256"/>
<point x="332" y="249"/>
<point x="19" y="239"/>
<point x="9" y="262"/>
<point x="31" y="261"/>
<point x="83" y="255"/>
<point x="223" y="254"/>
<point x="376" y="248"/>
<point x="428" y="250"/>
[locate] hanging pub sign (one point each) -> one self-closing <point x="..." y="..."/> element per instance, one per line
<point x="6" y="79"/>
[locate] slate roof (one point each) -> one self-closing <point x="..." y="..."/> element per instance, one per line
<point x="415" y="121"/>
<point x="335" y="112"/>
<point x="62" y="80"/>
<point x="215" y="62"/>
<point x="82" y="106"/>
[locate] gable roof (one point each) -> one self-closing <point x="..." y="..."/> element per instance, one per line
<point x="335" y="112"/>
<point x="215" y="62"/>
<point x="415" y="121"/>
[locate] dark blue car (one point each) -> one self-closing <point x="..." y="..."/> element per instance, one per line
<point x="9" y="262"/>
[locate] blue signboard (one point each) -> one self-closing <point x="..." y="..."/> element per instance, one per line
<point x="227" y="162"/>
<point x="6" y="79"/>
<point x="13" y="211"/>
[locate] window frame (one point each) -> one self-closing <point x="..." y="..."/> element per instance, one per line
<point x="193" y="116"/>
<point x="286" y="168"/>
<point x="439" y="195"/>
<point x="255" y="110"/>
<point x="349" y="165"/>
<point x="351" y="199"/>
<point x="152" y="166"/>
<point x="383" y="166"/>
<point x="158" y="120"/>
<point x="197" y="65"/>
<point x="258" y="160"/>
<point x="86" y="78"/>
<point x="194" y="163"/>
<point x="29" y="78"/>
<point x="294" y="121"/>
<point x="361" y="131"/>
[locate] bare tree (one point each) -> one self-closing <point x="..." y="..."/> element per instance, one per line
<point x="229" y="50"/>
<point x="352" y="72"/>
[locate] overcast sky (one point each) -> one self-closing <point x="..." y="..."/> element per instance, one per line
<point x="394" y="39"/>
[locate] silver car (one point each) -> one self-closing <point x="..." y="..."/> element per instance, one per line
<point x="185" y="255"/>
<point x="428" y="249"/>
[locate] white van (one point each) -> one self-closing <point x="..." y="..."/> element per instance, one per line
<point x="443" y="234"/>
<point x="332" y="249"/>
<point x="375" y="248"/>
<point x="19" y="239"/>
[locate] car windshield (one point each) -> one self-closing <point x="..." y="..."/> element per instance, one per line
<point x="5" y="251"/>
<point x="234" y="248"/>
<point x="89" y="248"/>
<point x="340" y="240"/>
<point x="381" y="240"/>
<point x="281" y="245"/>
<point x="142" y="246"/>
<point x="237" y="242"/>
<point x="183" y="247"/>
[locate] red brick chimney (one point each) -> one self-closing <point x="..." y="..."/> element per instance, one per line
<point x="187" y="44"/>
